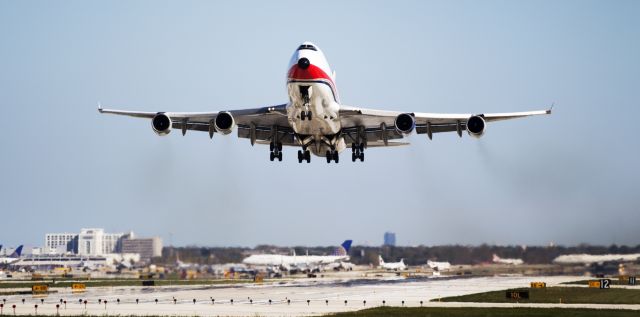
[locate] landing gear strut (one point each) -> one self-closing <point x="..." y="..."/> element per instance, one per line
<point x="357" y="152"/>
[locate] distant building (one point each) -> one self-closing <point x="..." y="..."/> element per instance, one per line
<point x="60" y="243"/>
<point x="146" y="247"/>
<point x="95" y="241"/>
<point x="390" y="238"/>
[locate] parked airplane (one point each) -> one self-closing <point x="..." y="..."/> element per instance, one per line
<point x="315" y="120"/>
<point x="395" y="266"/>
<point x="300" y="262"/>
<point x="590" y="258"/>
<point x="13" y="257"/>
<point x="438" y="266"/>
<point x="497" y="259"/>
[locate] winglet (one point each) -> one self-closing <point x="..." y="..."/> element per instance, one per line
<point x="99" y="107"/>
<point x="549" y="110"/>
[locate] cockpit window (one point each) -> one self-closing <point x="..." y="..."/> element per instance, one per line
<point x="307" y="47"/>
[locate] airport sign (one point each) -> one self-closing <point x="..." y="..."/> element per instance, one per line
<point x="517" y="295"/>
<point x="39" y="288"/>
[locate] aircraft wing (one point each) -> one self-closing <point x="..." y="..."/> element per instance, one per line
<point x="256" y="124"/>
<point x="378" y="126"/>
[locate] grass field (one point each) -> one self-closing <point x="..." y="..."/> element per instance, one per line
<point x="487" y="312"/>
<point x="568" y="295"/>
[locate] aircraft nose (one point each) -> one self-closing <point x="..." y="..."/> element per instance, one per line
<point x="304" y="63"/>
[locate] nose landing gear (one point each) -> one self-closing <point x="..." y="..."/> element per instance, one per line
<point x="306" y="103"/>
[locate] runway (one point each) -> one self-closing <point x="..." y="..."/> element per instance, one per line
<point x="295" y="298"/>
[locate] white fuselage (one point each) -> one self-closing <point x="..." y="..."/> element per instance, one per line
<point x="440" y="266"/>
<point x="293" y="261"/>
<point x="318" y="81"/>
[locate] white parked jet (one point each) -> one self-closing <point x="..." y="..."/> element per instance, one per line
<point x="315" y="120"/>
<point x="438" y="266"/>
<point x="13" y="258"/>
<point x="395" y="266"/>
<point x="300" y="262"/>
<point x="497" y="259"/>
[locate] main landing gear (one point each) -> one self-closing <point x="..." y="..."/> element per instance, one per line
<point x="304" y="155"/>
<point x="357" y="152"/>
<point x="276" y="151"/>
<point x="333" y="156"/>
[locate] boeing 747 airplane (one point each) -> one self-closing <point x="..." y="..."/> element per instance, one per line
<point x="315" y="120"/>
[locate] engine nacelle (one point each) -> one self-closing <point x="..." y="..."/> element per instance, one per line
<point x="405" y="123"/>
<point x="475" y="126"/>
<point x="161" y="124"/>
<point x="224" y="122"/>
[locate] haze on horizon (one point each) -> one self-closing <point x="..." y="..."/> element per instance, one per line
<point x="570" y="178"/>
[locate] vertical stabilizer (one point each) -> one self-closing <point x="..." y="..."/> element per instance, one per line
<point x="17" y="252"/>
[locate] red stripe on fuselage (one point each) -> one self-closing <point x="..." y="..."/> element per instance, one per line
<point x="312" y="72"/>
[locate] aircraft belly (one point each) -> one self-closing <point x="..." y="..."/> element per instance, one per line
<point x="325" y="120"/>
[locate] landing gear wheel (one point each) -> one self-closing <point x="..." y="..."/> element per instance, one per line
<point x="272" y="156"/>
<point x="307" y="156"/>
<point x="361" y="157"/>
<point x="279" y="156"/>
<point x="303" y="114"/>
<point x="279" y="147"/>
<point x="336" y="157"/>
<point x="271" y="146"/>
<point x="329" y="157"/>
<point x="361" y="147"/>
<point x="300" y="156"/>
<point x="309" y="115"/>
<point x="353" y="157"/>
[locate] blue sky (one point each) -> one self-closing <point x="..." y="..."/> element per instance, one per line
<point x="568" y="178"/>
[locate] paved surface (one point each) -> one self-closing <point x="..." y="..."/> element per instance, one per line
<point x="287" y="299"/>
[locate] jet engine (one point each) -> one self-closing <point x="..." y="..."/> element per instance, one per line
<point x="405" y="123"/>
<point x="161" y="124"/>
<point x="475" y="126"/>
<point x="224" y="122"/>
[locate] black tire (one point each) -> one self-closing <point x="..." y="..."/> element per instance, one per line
<point x="299" y="156"/>
<point x="280" y="156"/>
<point x="307" y="156"/>
<point x="279" y="147"/>
<point x="303" y="115"/>
<point x="353" y="157"/>
<point x="362" y="157"/>
<point x="361" y="147"/>
<point x="329" y="157"/>
<point x="309" y="115"/>
<point x="336" y="157"/>
<point x="272" y="156"/>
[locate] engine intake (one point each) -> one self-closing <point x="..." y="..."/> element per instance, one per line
<point x="405" y="123"/>
<point x="475" y="126"/>
<point x="224" y="122"/>
<point x="161" y="124"/>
